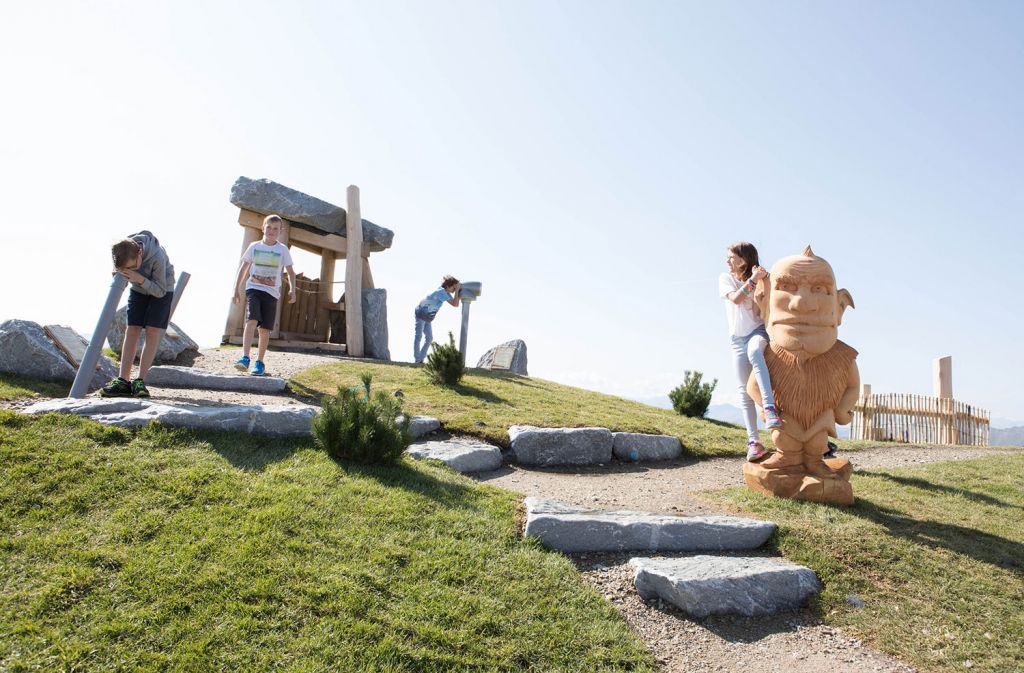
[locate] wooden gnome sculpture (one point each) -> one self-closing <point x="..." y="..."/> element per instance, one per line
<point x="814" y="378"/>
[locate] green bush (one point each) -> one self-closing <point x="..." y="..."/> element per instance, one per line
<point x="692" y="398"/>
<point x="359" y="426"/>
<point x="444" y="365"/>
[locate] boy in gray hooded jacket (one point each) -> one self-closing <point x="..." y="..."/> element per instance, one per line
<point x="143" y="262"/>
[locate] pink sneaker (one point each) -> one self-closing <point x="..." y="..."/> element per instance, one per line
<point x="771" y="417"/>
<point x="755" y="451"/>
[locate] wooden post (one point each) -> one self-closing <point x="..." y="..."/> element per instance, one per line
<point x="236" y="314"/>
<point x="326" y="294"/>
<point x="276" y="332"/>
<point x="367" y="276"/>
<point x="942" y="387"/>
<point x="354" y="275"/>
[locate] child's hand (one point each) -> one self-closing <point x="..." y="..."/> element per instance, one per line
<point x="133" y="276"/>
<point x="237" y="298"/>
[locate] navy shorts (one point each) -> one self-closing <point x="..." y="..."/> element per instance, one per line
<point x="145" y="310"/>
<point x="260" y="306"/>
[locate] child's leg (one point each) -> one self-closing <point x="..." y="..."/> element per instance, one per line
<point x="755" y="355"/>
<point x="131" y="344"/>
<point x="742" y="368"/>
<point x="264" y="340"/>
<point x="428" y="338"/>
<point x="416" y="341"/>
<point x="250" y="329"/>
<point x="154" y="335"/>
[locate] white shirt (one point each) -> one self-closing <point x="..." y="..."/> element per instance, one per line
<point x="741" y="316"/>
<point x="266" y="264"/>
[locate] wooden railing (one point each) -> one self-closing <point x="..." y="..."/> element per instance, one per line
<point x="919" y="419"/>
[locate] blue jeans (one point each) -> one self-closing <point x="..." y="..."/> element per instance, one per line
<point x="426" y="332"/>
<point x="747" y="355"/>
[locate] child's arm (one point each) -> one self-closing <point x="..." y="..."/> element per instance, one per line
<point x="747" y="289"/>
<point x="291" y="283"/>
<point x="243" y="271"/>
<point x="454" y="301"/>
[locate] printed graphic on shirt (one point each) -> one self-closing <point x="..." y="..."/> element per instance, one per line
<point x="266" y="265"/>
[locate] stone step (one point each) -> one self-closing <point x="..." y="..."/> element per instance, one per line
<point x="190" y="377"/>
<point x="718" y="585"/>
<point x="560" y="446"/>
<point x="634" y="446"/>
<point x="574" y="529"/>
<point x="274" y="420"/>
<point x="462" y="455"/>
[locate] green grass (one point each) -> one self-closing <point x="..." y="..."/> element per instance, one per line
<point x="936" y="553"/>
<point x="13" y="386"/>
<point x="162" y="549"/>
<point x="486" y="403"/>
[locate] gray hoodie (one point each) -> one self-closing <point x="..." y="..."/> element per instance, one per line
<point x="155" y="267"/>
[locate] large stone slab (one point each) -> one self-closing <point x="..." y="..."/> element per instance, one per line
<point x="462" y="455"/>
<point x="634" y="446"/>
<point x="375" y="324"/>
<point x="718" y="585"/>
<point x="274" y="420"/>
<point x="517" y="365"/>
<point x="560" y="446"/>
<point x="190" y="377"/>
<point x="421" y="426"/>
<point x="174" y="343"/>
<point x="268" y="197"/>
<point x="25" y="349"/>
<point x="574" y="529"/>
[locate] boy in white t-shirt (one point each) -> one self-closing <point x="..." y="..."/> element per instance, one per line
<point x="261" y="268"/>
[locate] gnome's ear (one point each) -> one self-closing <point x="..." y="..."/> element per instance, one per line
<point x="845" y="300"/>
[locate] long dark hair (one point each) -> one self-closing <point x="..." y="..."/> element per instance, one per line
<point x="748" y="253"/>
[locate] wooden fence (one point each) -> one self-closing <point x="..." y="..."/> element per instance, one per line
<point x="919" y="419"/>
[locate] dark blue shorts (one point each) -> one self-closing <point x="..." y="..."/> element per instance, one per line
<point x="148" y="311"/>
<point x="262" y="307"/>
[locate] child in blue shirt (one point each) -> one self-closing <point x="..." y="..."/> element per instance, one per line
<point x="427" y="310"/>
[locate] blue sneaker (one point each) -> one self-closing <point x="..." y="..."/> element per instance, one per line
<point x="242" y="364"/>
<point x="258" y="369"/>
<point x="772" y="419"/>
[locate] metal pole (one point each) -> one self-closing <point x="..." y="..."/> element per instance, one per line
<point x="179" y="287"/>
<point x="92" y="354"/>
<point x="464" y="334"/>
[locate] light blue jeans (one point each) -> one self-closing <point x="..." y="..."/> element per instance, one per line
<point x="425" y="332"/>
<point x="747" y="356"/>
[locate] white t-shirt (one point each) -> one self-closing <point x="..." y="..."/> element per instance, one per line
<point x="741" y="316"/>
<point x="267" y="262"/>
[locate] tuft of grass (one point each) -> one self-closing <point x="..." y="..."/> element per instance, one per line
<point x="164" y="549"/>
<point x="935" y="552"/>
<point x="486" y="403"/>
<point x="13" y="386"/>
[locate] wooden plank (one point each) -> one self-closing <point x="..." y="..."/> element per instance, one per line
<point x="301" y="345"/>
<point x="332" y="242"/>
<point x="325" y="294"/>
<point x="69" y="342"/>
<point x="354" y="276"/>
<point x="300" y="336"/>
<point x="367" y="276"/>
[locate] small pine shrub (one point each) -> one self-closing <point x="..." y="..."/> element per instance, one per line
<point x="692" y="398"/>
<point x="444" y="365"/>
<point x="359" y="426"/>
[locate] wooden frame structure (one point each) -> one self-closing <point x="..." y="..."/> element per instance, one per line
<point x="306" y="323"/>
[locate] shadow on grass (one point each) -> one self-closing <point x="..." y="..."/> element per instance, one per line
<point x="247" y="452"/>
<point x="938" y="488"/>
<point x="33" y="385"/>
<point x="981" y="546"/>
<point x="482" y="395"/>
<point x="451" y="494"/>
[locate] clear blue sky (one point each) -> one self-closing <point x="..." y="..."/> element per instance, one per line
<point x="587" y="161"/>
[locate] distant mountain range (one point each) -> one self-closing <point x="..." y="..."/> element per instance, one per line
<point x="1007" y="436"/>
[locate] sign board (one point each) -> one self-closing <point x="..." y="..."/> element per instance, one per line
<point x="503" y="357"/>
<point x="69" y="342"/>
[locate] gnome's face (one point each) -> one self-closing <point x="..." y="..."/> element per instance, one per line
<point x="804" y="307"/>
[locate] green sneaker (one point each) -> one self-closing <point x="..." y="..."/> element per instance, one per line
<point x="117" y="388"/>
<point x="139" y="388"/>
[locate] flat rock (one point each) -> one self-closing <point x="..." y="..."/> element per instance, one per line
<point x="174" y="343"/>
<point x="274" y="420"/>
<point x="560" y="446"/>
<point x="634" y="446"/>
<point x="25" y="349"/>
<point x="421" y="426"/>
<point x="190" y="377"/>
<point x="574" y="529"/>
<point x="518" y="363"/>
<point x="375" y="324"/>
<point x="462" y="455"/>
<point x="718" y="585"/>
<point x="268" y="197"/>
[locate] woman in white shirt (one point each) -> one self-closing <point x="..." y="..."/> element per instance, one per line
<point x="749" y="339"/>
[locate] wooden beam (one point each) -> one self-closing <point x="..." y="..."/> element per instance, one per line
<point x="236" y="312"/>
<point x="354" y="275"/>
<point x="326" y="293"/>
<point x="302" y="345"/>
<point x="337" y="244"/>
<point x="367" y="276"/>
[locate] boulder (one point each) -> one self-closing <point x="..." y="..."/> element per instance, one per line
<point x="718" y="585"/>
<point x="518" y="364"/>
<point x="462" y="455"/>
<point x="174" y="343"/>
<point x="268" y="197"/>
<point x="560" y="446"/>
<point x="375" y="324"/>
<point x="190" y="377"/>
<point x="420" y="426"/>
<point x="575" y="529"/>
<point x="274" y="420"/>
<point x="633" y="446"/>
<point x="25" y="349"/>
